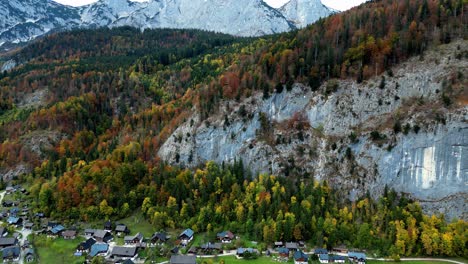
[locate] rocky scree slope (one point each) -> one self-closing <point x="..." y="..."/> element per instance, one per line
<point x="24" y="20"/>
<point x="406" y="129"/>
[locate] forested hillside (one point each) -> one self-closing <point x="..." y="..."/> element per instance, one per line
<point x="84" y="115"/>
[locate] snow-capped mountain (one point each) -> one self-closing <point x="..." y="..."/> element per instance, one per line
<point x="23" y="20"/>
<point x="304" y="12"/>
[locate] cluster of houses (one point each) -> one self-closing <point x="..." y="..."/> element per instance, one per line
<point x="98" y="241"/>
<point x="353" y="257"/>
<point x="11" y="249"/>
<point x="294" y="249"/>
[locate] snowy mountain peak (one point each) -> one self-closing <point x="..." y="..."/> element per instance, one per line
<point x="304" y="12"/>
<point x="24" y="20"/>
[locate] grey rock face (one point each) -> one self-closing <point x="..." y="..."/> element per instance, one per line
<point x="431" y="165"/>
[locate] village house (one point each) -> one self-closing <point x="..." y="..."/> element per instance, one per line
<point x="319" y="251"/>
<point x="225" y="236"/>
<point x="292" y="246"/>
<point x="212" y="248"/>
<point x="16" y="221"/>
<point x="28" y="225"/>
<point x="180" y="259"/>
<point x="85" y="247"/>
<point x="56" y="231"/>
<point x="8" y="242"/>
<point x="102" y="236"/>
<point x="278" y="244"/>
<point x="69" y="234"/>
<point x="240" y="252"/>
<point x="88" y="232"/>
<point x="11" y="253"/>
<point x="123" y="252"/>
<point x="300" y="258"/>
<point x="186" y="236"/>
<point x="324" y="258"/>
<point x="337" y="259"/>
<point x="283" y="252"/>
<point x="121" y="229"/>
<point x="158" y="238"/>
<point x="99" y="249"/>
<point x="357" y="257"/>
<point x="133" y="240"/>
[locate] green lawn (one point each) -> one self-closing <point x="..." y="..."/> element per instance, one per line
<point x="137" y="223"/>
<point x="58" y="250"/>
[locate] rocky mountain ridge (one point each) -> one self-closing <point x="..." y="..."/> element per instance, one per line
<point x="361" y="136"/>
<point x="24" y="20"/>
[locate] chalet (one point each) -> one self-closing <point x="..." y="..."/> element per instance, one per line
<point x="10" y="189"/>
<point x="225" y="236"/>
<point x="49" y="225"/>
<point x="89" y="232"/>
<point x="292" y="246"/>
<point x="300" y="258"/>
<point x="85" y="246"/>
<point x="108" y="226"/>
<point x="301" y="244"/>
<point x="278" y="244"/>
<point x="29" y="225"/>
<point x="8" y="242"/>
<point x="240" y="252"/>
<point x="121" y="229"/>
<point x="212" y="248"/>
<point x="11" y="253"/>
<point x="99" y="249"/>
<point x="283" y="252"/>
<point x="3" y="231"/>
<point x="102" y="236"/>
<point x="29" y="255"/>
<point x="124" y="252"/>
<point x="341" y="249"/>
<point x="56" y="231"/>
<point x="186" y="236"/>
<point x="132" y="240"/>
<point x="69" y="234"/>
<point x="180" y="259"/>
<point x="337" y="259"/>
<point x="357" y="257"/>
<point x="17" y="221"/>
<point x="319" y="251"/>
<point x="324" y="258"/>
<point x="158" y="238"/>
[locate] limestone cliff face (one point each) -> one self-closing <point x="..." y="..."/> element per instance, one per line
<point x="398" y="132"/>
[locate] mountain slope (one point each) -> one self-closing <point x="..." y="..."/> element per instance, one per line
<point x="304" y="12"/>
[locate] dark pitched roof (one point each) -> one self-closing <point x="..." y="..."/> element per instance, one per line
<point x="291" y="245"/>
<point x="69" y="233"/>
<point x="89" y="231"/>
<point x="124" y="251"/>
<point x="241" y="251"/>
<point x="324" y="257"/>
<point x="87" y="244"/>
<point x="209" y="246"/>
<point x="357" y="255"/>
<point x="320" y="251"/>
<point x="3" y="230"/>
<point x="283" y="250"/>
<point x="128" y="261"/>
<point x="8" y="241"/>
<point x="159" y="236"/>
<point x="121" y="228"/>
<point x="57" y="229"/>
<point x="101" y="233"/>
<point x="180" y="259"/>
<point x="138" y="236"/>
<point x="13" y="251"/>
